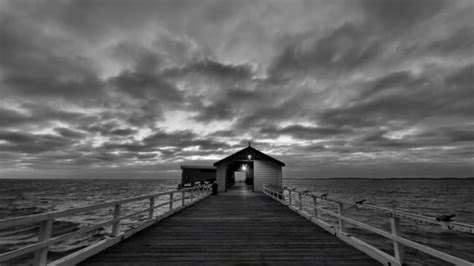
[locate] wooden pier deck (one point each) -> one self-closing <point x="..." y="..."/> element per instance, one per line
<point x="236" y="227"/>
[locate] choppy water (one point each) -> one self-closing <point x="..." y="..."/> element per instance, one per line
<point x="432" y="197"/>
<point x="25" y="197"/>
<point x="425" y="196"/>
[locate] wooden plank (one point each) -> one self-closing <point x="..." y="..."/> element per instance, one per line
<point x="232" y="228"/>
<point x="85" y="253"/>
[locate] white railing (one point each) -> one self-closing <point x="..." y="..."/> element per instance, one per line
<point x="294" y="200"/>
<point x="45" y="221"/>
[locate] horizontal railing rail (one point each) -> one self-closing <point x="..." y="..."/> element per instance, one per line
<point x="285" y="196"/>
<point x="454" y="226"/>
<point x="45" y="220"/>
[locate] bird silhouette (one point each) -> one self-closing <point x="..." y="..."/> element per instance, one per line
<point x="360" y="202"/>
<point x="445" y="218"/>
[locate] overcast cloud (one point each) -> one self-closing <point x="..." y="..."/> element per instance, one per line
<point x="116" y="88"/>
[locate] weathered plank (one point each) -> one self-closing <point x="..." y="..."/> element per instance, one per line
<point x="233" y="228"/>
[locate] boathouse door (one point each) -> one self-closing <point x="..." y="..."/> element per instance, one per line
<point x="244" y="167"/>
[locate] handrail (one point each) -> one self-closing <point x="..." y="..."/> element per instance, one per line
<point x="399" y="242"/>
<point x="45" y="220"/>
<point x="454" y="226"/>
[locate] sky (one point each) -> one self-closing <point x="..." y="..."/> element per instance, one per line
<point x="134" y="89"/>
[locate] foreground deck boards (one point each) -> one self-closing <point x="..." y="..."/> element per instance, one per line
<point x="237" y="227"/>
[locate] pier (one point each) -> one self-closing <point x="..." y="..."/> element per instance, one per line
<point x="237" y="227"/>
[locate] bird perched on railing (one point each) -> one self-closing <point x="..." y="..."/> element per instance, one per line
<point x="445" y="218"/>
<point x="359" y="202"/>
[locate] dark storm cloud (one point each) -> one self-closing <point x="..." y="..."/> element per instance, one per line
<point x="221" y="110"/>
<point x="19" y="142"/>
<point x="346" y="47"/>
<point x="305" y="132"/>
<point x="295" y="106"/>
<point x="399" y="14"/>
<point x="123" y="132"/>
<point x="463" y="79"/>
<point x="182" y="139"/>
<point x="448" y="136"/>
<point x="144" y="85"/>
<point x="110" y="128"/>
<point x="390" y="81"/>
<point x="214" y="69"/>
<point x="10" y="117"/>
<point x="229" y="104"/>
<point x="169" y="145"/>
<point x="32" y="67"/>
<point x="33" y="114"/>
<point x="406" y="97"/>
<point x="68" y="133"/>
<point x="460" y="40"/>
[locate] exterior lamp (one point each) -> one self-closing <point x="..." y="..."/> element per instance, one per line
<point x="244" y="167"/>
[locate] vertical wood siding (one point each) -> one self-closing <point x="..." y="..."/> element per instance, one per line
<point x="266" y="172"/>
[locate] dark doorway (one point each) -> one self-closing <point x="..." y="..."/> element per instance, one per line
<point x="244" y="170"/>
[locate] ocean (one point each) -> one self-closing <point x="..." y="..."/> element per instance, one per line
<point x="431" y="197"/>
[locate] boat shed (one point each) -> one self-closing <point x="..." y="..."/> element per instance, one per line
<point x="197" y="174"/>
<point x="259" y="168"/>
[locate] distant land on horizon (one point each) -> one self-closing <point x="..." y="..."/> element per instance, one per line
<point x="331" y="88"/>
<point x="178" y="178"/>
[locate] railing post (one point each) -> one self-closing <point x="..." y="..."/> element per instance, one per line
<point x="182" y="198"/>
<point x="171" y="201"/>
<point x="301" y="202"/>
<point x="115" y="225"/>
<point x="340" y="210"/>
<point x="152" y="205"/>
<point x="315" y="206"/>
<point x="398" y="248"/>
<point x="44" y="234"/>
<point x="289" y="197"/>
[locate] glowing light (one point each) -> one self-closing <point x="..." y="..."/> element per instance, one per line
<point x="244" y="167"/>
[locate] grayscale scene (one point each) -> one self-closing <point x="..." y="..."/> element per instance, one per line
<point x="236" y="132"/>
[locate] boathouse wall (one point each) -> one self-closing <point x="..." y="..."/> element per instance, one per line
<point x="192" y="174"/>
<point x="266" y="172"/>
<point x="221" y="176"/>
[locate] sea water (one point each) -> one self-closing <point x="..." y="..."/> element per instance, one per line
<point x="430" y="197"/>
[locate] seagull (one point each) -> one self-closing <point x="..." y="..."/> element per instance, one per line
<point x="445" y="218"/>
<point x="360" y="202"/>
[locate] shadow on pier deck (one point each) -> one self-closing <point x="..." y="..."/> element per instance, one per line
<point x="237" y="227"/>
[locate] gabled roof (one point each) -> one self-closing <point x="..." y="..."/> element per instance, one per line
<point x="243" y="154"/>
